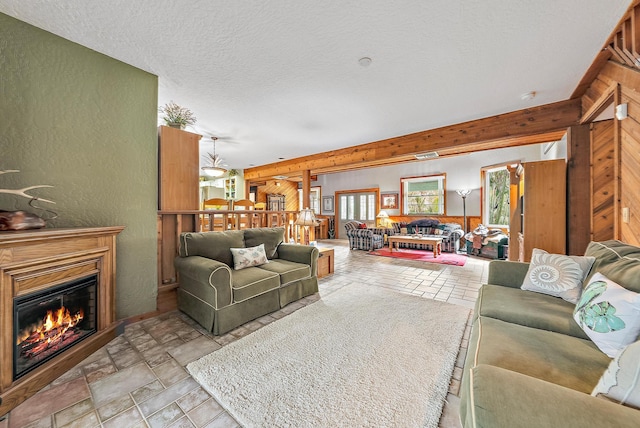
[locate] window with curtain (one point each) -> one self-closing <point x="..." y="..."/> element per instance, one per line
<point x="423" y="195"/>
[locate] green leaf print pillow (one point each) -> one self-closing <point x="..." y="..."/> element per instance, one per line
<point x="609" y="314"/>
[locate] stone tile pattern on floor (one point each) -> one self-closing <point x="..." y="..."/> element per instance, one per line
<point x="139" y="378"/>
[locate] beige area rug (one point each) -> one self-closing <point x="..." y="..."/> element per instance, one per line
<point x="362" y="356"/>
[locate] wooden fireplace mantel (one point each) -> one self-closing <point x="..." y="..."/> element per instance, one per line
<point x="34" y="260"/>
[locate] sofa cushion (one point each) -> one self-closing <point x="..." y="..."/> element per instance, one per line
<point x="502" y="398"/>
<point x="212" y="245"/>
<point x="251" y="282"/>
<point x="564" y="360"/>
<point x="424" y="222"/>
<point x="557" y="275"/>
<point x="247" y="257"/>
<point x="288" y="271"/>
<point x="620" y="382"/>
<point x="515" y="306"/>
<point x="617" y="261"/>
<point x="271" y="237"/>
<point x="609" y="314"/>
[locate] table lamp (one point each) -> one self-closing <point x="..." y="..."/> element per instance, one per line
<point x="306" y="218"/>
<point x="384" y="218"/>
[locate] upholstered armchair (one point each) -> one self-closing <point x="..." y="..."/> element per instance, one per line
<point x="362" y="238"/>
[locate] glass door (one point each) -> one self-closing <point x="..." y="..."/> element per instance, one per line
<point x="355" y="205"/>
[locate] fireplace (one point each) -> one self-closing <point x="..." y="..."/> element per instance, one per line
<point x="57" y="304"/>
<point x="49" y="322"/>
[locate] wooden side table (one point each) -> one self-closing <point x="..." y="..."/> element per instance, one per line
<point x="325" y="262"/>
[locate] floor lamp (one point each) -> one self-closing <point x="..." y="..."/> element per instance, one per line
<point x="463" y="194"/>
<point x="306" y="218"/>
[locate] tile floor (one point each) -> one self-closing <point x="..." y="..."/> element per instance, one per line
<point x="139" y="379"/>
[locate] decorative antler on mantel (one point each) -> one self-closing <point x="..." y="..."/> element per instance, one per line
<point x="22" y="192"/>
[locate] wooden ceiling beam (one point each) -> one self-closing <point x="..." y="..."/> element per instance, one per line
<point x="619" y="73"/>
<point x="625" y="36"/>
<point x="516" y="128"/>
<point x="635" y="31"/>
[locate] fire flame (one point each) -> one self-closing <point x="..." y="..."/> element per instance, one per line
<point x="52" y="328"/>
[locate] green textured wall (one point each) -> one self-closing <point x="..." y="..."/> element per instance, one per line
<point x="87" y="125"/>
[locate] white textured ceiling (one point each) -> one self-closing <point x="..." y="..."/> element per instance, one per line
<point x="280" y="78"/>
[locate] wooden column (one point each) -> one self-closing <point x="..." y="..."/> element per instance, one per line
<point x="578" y="189"/>
<point x="306" y="188"/>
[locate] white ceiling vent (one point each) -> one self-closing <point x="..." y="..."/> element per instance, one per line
<point x="280" y="177"/>
<point x="428" y="155"/>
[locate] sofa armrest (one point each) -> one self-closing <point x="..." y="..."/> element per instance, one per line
<point x="507" y="273"/>
<point x="300" y="254"/>
<point x="207" y="279"/>
<point x="503" y="398"/>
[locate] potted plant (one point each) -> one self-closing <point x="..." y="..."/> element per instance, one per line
<point x="176" y="116"/>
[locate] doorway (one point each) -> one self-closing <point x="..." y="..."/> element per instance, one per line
<point x="359" y="205"/>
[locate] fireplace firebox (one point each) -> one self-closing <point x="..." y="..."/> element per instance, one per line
<point x="47" y="323"/>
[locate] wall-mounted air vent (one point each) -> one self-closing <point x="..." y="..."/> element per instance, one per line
<point x="428" y="155"/>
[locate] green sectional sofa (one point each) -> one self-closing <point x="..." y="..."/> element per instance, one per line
<point x="529" y="364"/>
<point x="220" y="297"/>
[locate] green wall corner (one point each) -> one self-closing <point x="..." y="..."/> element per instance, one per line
<point x="85" y="124"/>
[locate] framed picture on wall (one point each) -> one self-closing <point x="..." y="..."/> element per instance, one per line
<point x="327" y="204"/>
<point x="389" y="201"/>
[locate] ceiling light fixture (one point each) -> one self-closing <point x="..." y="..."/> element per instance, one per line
<point x="365" y="61"/>
<point x="215" y="169"/>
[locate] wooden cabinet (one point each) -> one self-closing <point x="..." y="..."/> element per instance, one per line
<point x="538" y="217"/>
<point x="230" y="185"/>
<point x="178" y="169"/>
<point x="325" y="262"/>
<point x="178" y="189"/>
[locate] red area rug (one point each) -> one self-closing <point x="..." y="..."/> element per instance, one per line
<point x="423" y="256"/>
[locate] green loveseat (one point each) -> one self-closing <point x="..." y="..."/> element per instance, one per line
<point x="221" y="298"/>
<point x="529" y="364"/>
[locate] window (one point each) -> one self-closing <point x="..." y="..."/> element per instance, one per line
<point x="423" y="195"/>
<point x="367" y="207"/>
<point x="314" y="199"/>
<point x="496" y="199"/>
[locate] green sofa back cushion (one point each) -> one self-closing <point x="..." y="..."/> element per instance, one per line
<point x="617" y="261"/>
<point x="271" y="237"/>
<point x="212" y="245"/>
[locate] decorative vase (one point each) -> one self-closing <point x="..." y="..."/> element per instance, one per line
<point x="175" y="125"/>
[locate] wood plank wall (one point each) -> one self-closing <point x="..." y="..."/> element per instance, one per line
<point x="630" y="166"/>
<point x="287" y="188"/>
<point x="602" y="174"/>
<point x="621" y="173"/>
